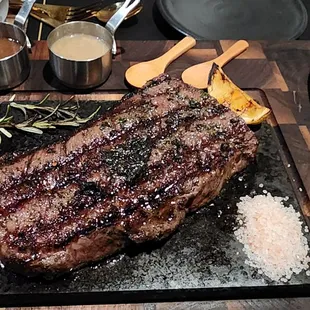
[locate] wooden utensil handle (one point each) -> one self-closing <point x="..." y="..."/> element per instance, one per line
<point x="235" y="50"/>
<point x="176" y="51"/>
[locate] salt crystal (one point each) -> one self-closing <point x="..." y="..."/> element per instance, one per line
<point x="272" y="236"/>
<point x="288" y="165"/>
<point x="264" y="191"/>
<point x="261" y="185"/>
<point x="300" y="189"/>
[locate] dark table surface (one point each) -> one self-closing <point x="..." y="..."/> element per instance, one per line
<point x="148" y="25"/>
<point x="306" y="34"/>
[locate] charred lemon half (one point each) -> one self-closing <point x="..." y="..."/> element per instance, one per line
<point x="226" y="92"/>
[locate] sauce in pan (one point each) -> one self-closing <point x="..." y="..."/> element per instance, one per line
<point x="80" y="47"/>
<point x="9" y="47"/>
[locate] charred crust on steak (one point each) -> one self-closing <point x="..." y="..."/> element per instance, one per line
<point x="129" y="159"/>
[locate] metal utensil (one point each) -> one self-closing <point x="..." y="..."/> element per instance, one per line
<point x="14" y="69"/>
<point x="108" y="11"/>
<point x="46" y="19"/>
<point x="4" y="9"/>
<point x="82" y="13"/>
<point x="21" y="17"/>
<point x="55" y="15"/>
<point x="86" y="73"/>
<point x="63" y="13"/>
<point x="117" y="19"/>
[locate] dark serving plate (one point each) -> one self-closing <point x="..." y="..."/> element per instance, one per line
<point x="202" y="260"/>
<point x="237" y="19"/>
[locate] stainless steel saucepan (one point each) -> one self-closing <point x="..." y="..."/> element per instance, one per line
<point x="15" y="68"/>
<point x="87" y="73"/>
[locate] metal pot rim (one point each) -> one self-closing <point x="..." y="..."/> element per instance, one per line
<point x="79" y="22"/>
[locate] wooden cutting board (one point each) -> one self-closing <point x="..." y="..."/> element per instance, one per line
<point x="258" y="71"/>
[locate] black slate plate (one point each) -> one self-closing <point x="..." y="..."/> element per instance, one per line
<point x="200" y="261"/>
<point x="237" y="19"/>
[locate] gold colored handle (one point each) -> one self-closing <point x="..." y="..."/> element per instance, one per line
<point x="18" y="4"/>
<point x="37" y="7"/>
<point x="235" y="50"/>
<point x="176" y="51"/>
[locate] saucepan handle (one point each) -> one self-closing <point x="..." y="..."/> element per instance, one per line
<point x="119" y="16"/>
<point x="23" y="13"/>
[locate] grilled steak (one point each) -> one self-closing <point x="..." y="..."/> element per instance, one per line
<point x="131" y="176"/>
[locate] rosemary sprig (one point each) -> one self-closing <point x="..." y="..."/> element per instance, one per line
<point x="40" y="116"/>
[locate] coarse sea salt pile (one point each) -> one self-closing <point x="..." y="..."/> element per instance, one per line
<point x="272" y="237"/>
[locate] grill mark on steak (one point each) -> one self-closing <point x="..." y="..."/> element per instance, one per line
<point x="53" y="149"/>
<point x="32" y="204"/>
<point x="105" y="220"/>
<point x="53" y="158"/>
<point x="130" y="226"/>
<point x="61" y="176"/>
<point x="182" y="166"/>
<point x="59" y="153"/>
<point x="37" y="205"/>
<point x="74" y="216"/>
<point x="10" y="174"/>
<point x="92" y="167"/>
<point x="93" y="221"/>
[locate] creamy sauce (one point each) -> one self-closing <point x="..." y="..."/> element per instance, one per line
<point x="79" y="47"/>
<point x="9" y="47"/>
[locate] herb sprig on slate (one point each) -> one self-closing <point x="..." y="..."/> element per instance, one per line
<point x="40" y="116"/>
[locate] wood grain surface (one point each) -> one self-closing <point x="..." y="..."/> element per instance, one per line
<point x="280" y="70"/>
<point x="250" y="304"/>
